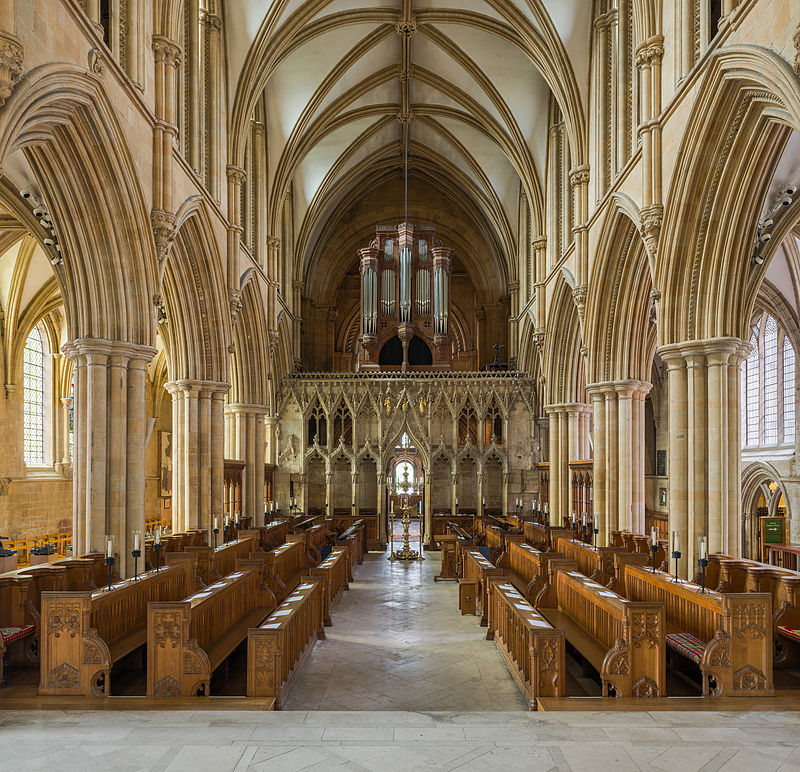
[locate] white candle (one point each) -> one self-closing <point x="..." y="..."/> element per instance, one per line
<point x="109" y="548"/>
<point x="654" y="536"/>
<point x="676" y="541"/>
<point x="136" y="540"/>
<point x="216" y="523"/>
<point x="158" y="535"/>
<point x="703" y="548"/>
<point x="584" y="519"/>
<point x="237" y="518"/>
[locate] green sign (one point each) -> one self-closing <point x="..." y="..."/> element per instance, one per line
<point x="772" y="530"/>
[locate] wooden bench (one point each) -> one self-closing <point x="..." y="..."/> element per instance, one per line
<point x="277" y="648"/>
<point x="352" y="539"/>
<point x="188" y="640"/>
<point x="639" y="543"/>
<point x="447" y="544"/>
<point x="268" y="536"/>
<point x="729" y="636"/>
<point x="213" y="564"/>
<point x="595" y="562"/>
<point x="476" y="568"/>
<point x="80" y="573"/>
<point x="526" y="568"/>
<point x="441" y="520"/>
<point x="85" y="633"/>
<point x="623" y="640"/>
<point x="19" y="621"/>
<point x="532" y="648"/>
<point x="544" y="537"/>
<point x="335" y="571"/>
<point x="284" y="567"/>
<point x="313" y="539"/>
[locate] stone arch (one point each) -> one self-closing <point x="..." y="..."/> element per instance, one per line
<point x="249" y="365"/>
<point x="563" y="360"/>
<point x="756" y="478"/>
<point x="619" y="336"/>
<point x="108" y="274"/>
<point x="198" y="329"/>
<point x="747" y="106"/>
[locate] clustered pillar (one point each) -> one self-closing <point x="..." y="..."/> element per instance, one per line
<point x="245" y="440"/>
<point x="619" y="469"/>
<point x="109" y="444"/>
<point x="568" y="440"/>
<point x="197" y="452"/>
<point x="704" y="457"/>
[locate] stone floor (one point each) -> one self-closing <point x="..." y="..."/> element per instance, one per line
<point x="192" y="741"/>
<point x="398" y="642"/>
<point x="402" y="682"/>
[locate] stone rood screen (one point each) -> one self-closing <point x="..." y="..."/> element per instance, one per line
<point x="405" y="300"/>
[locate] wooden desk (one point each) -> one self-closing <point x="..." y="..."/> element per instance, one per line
<point x="447" y="543"/>
<point x="277" y="648"/>
<point x="476" y="569"/>
<point x="335" y="571"/>
<point x="532" y="648"/>
<point x="595" y="562"/>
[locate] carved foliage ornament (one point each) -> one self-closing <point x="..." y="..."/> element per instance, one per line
<point x="62" y="677"/>
<point x="65" y="619"/>
<point x="10" y="65"/>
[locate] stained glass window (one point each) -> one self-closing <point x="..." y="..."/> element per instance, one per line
<point x="33" y="380"/>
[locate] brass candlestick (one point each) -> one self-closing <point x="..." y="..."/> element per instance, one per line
<point x="406" y="553"/>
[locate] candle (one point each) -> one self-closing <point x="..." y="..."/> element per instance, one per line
<point x="216" y="523"/>
<point x="584" y="520"/>
<point x="676" y="541"/>
<point x="109" y="549"/>
<point x="654" y="536"/>
<point x="456" y="500"/>
<point x="158" y="535"/>
<point x="704" y="548"/>
<point x="136" y="540"/>
<point x="237" y="518"/>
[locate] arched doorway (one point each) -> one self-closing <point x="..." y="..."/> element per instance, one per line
<point x="762" y="495"/>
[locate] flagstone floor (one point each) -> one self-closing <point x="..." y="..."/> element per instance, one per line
<point x="398" y="642"/>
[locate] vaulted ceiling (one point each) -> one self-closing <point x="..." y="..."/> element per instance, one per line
<point x="474" y="77"/>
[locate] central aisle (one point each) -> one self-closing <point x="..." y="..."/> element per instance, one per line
<point x="398" y="642"/>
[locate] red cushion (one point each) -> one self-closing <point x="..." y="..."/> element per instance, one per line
<point x="690" y="647"/>
<point x="10" y="634"/>
<point x="790" y="632"/>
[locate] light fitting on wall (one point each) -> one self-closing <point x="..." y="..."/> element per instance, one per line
<point x="41" y="213"/>
<point x="783" y="199"/>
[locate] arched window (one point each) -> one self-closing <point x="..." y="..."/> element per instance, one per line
<point x="768" y="387"/>
<point x="33" y="359"/>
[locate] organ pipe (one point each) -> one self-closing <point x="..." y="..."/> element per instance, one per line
<point x="405" y="285"/>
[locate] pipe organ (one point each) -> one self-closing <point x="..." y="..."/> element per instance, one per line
<point x="405" y="299"/>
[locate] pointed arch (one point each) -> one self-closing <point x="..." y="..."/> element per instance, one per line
<point x="748" y="103"/>
<point x="61" y="119"/>
<point x="563" y="361"/>
<point x="250" y="362"/>
<point x="619" y="337"/>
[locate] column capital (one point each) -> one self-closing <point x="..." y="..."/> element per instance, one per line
<point x="715" y="350"/>
<point x="107" y="348"/>
<point x="628" y="386"/>
<point x="187" y="384"/>
<point x="579" y="175"/>
<point x="236" y="174"/>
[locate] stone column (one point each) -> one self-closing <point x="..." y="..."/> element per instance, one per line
<point x="555" y="469"/>
<point x="329" y="493"/>
<point x="108" y="472"/>
<point x="66" y="459"/>
<point x="247" y="443"/>
<point x="704" y="450"/>
<point x="618" y="454"/>
<point x="453" y="493"/>
<point x="198" y="451"/>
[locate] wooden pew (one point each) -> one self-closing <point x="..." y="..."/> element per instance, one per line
<point x="473" y="585"/>
<point x="85" y="633"/>
<point x="595" y="562"/>
<point x="441" y="520"/>
<point x="80" y="573"/>
<point x="786" y="622"/>
<point x="188" y="639"/>
<point x="213" y="564"/>
<point x="353" y="539"/>
<point x="623" y="640"/>
<point x="284" y="567"/>
<point x="447" y="543"/>
<point x="19" y="621"/>
<point x="271" y="535"/>
<point x="544" y="537"/>
<point x="728" y="635"/>
<point x="639" y="543"/>
<point x="313" y="539"/>
<point x="335" y="571"/>
<point x="526" y="568"/>
<point x="532" y="648"/>
<point x="277" y="648"/>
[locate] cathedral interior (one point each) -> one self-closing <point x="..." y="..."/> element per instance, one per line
<point x="403" y="385"/>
